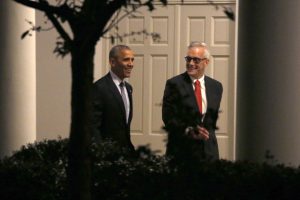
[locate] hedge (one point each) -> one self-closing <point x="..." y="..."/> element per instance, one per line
<point x="38" y="172"/>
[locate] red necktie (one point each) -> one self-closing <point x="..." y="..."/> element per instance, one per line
<point x="198" y="95"/>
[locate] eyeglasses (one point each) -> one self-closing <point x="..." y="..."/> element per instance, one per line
<point x="195" y="59"/>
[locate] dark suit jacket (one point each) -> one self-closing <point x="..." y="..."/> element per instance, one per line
<point x="180" y="111"/>
<point x="109" y="118"/>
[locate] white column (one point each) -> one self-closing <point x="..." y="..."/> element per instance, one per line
<point x="17" y="78"/>
<point x="268" y="87"/>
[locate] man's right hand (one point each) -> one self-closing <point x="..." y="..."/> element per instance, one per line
<point x="200" y="133"/>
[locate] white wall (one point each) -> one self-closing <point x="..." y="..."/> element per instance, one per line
<point x="53" y="76"/>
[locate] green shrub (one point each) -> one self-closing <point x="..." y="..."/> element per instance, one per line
<point x="38" y="171"/>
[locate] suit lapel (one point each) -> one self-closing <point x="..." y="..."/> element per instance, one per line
<point x="191" y="98"/>
<point x="116" y="93"/>
<point x="208" y="89"/>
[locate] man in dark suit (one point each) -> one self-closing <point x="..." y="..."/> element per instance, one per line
<point x="190" y="109"/>
<point x="112" y="100"/>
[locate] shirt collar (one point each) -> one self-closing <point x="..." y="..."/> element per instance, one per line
<point x="115" y="78"/>
<point x="201" y="79"/>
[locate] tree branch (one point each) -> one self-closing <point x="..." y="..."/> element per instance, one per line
<point x="61" y="11"/>
<point x="44" y="6"/>
<point x="113" y="22"/>
<point x="59" y="27"/>
<point x="116" y="20"/>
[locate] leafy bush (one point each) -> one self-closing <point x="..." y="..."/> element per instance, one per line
<point x="38" y="171"/>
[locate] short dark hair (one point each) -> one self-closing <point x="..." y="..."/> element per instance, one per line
<point x="113" y="53"/>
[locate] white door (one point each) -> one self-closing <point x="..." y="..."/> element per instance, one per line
<point x="156" y="61"/>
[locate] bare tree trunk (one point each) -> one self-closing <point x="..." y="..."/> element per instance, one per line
<point x="79" y="165"/>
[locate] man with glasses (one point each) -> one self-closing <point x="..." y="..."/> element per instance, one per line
<point x="190" y="109"/>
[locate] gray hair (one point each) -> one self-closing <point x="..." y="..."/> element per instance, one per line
<point x="114" y="52"/>
<point x="201" y="45"/>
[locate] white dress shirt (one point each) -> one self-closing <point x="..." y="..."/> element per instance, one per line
<point x="117" y="81"/>
<point x="203" y="92"/>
